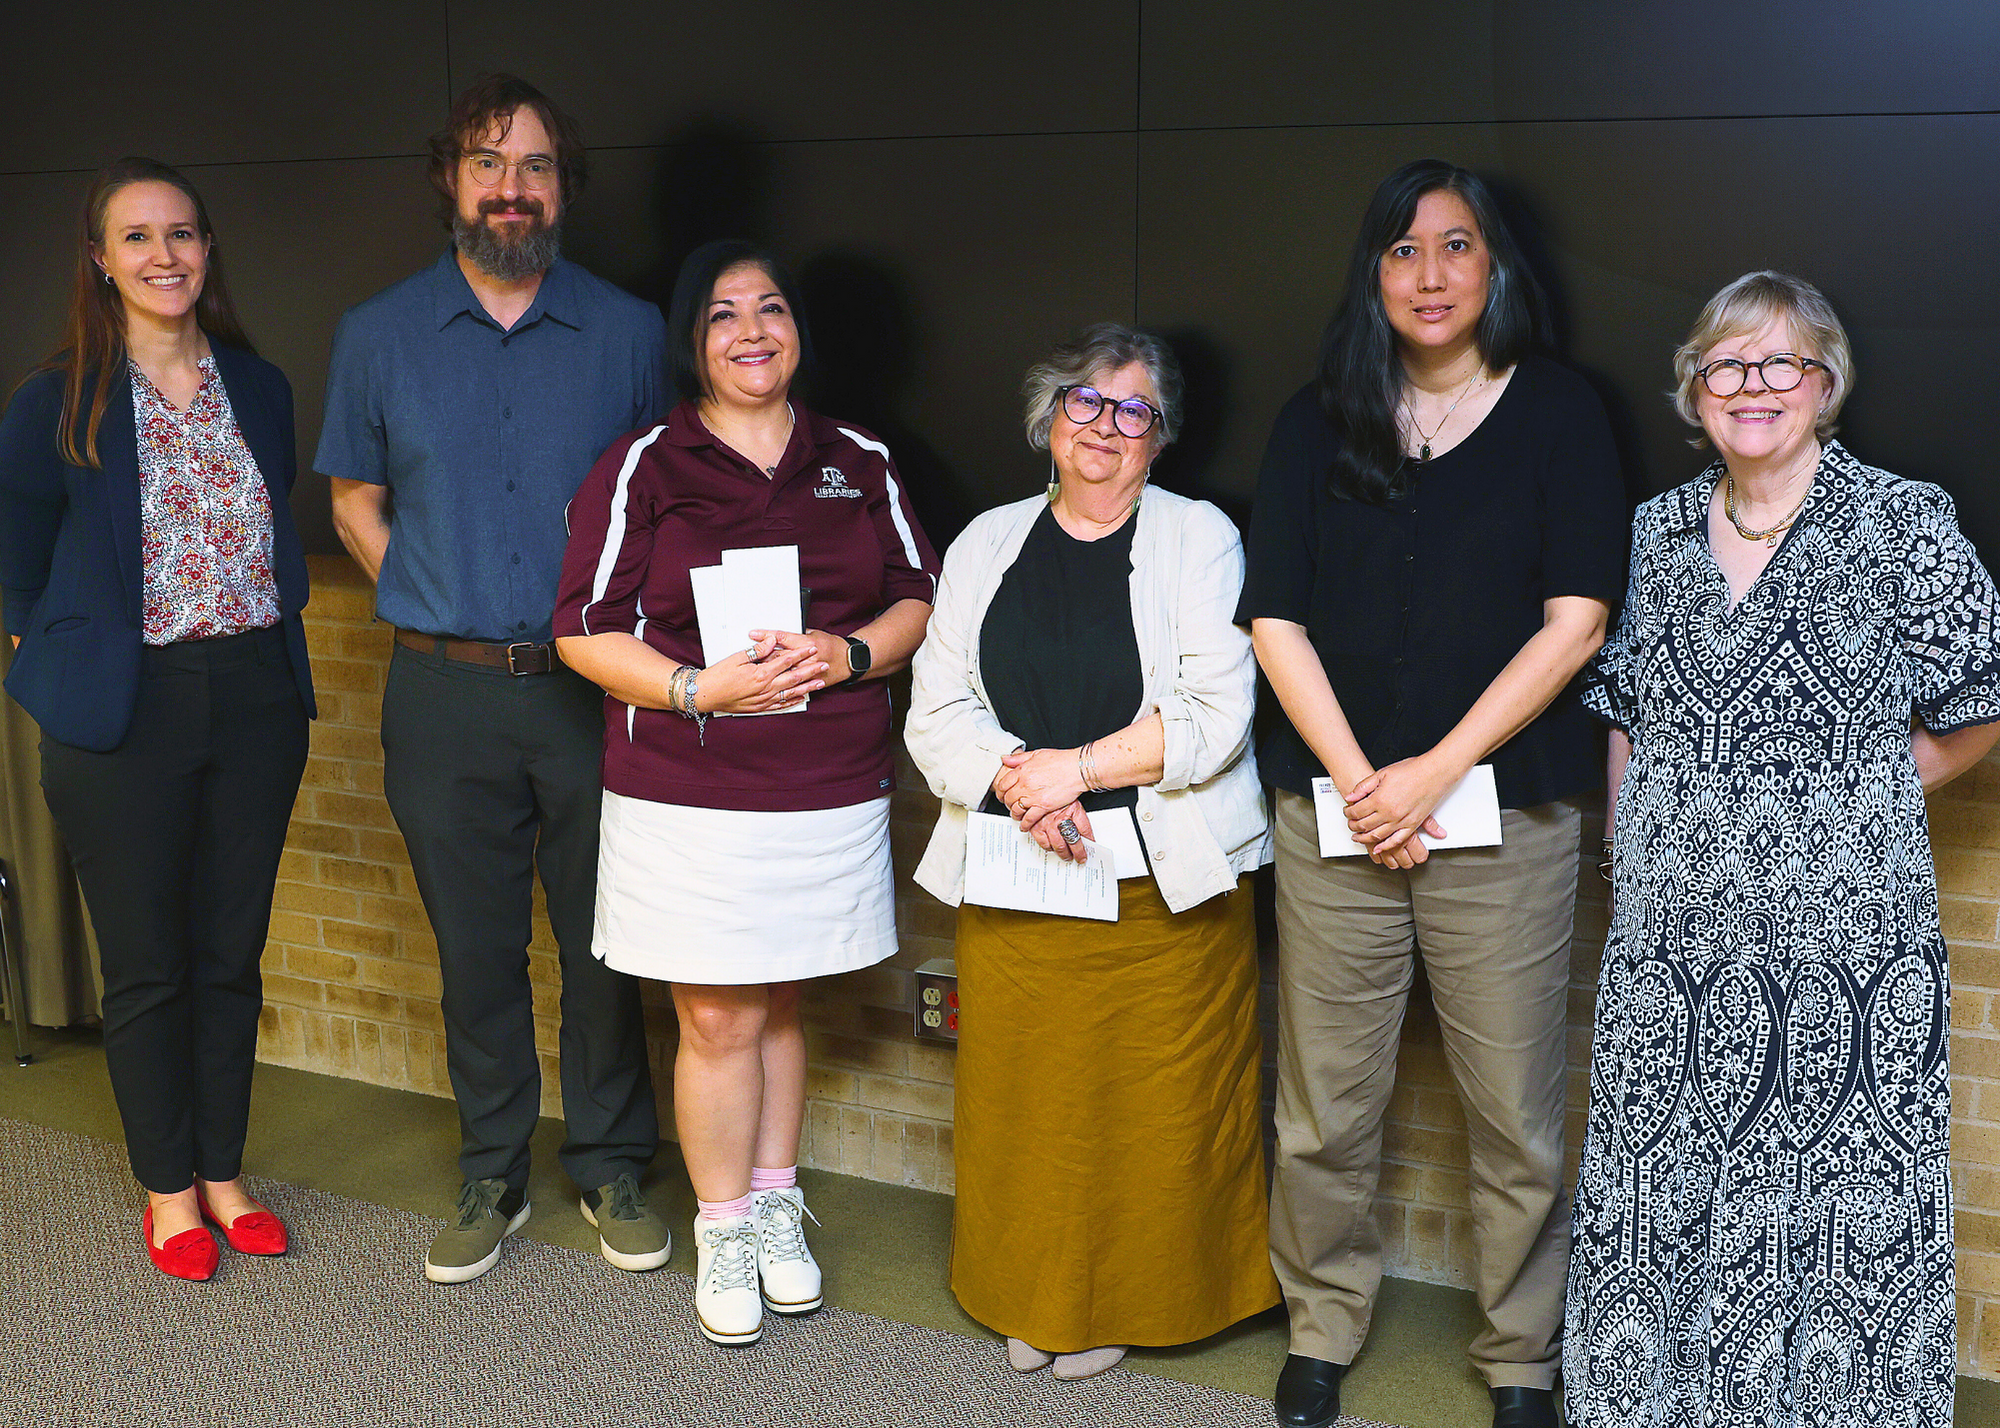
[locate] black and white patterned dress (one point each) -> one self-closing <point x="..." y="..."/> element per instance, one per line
<point x="1763" y="1228"/>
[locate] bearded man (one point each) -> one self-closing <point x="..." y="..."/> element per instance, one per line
<point x="463" y="407"/>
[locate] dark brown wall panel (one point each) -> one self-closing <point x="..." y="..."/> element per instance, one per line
<point x="1213" y="64"/>
<point x="795" y="69"/>
<point x="1634" y="225"/>
<point x="939" y="263"/>
<point x="225" y="81"/>
<point x="1585" y="59"/>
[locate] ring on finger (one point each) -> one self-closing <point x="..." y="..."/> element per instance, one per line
<point x="1068" y="830"/>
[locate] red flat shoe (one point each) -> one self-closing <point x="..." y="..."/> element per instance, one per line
<point x="258" y="1232"/>
<point x="191" y="1254"/>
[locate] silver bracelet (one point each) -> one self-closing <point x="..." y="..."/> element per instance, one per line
<point x="1086" y="767"/>
<point x="688" y="693"/>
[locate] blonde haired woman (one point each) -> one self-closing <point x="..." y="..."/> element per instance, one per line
<point x="1763" y="1220"/>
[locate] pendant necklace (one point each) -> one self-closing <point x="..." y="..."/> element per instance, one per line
<point x="792" y="421"/>
<point x="1425" y="439"/>
<point x="1770" y="536"/>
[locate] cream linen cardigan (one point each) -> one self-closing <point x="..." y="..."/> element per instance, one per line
<point x="1205" y="821"/>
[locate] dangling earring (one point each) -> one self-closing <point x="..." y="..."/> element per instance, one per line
<point x="1055" y="485"/>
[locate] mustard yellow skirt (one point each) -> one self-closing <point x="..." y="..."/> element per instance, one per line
<point x="1110" y="1159"/>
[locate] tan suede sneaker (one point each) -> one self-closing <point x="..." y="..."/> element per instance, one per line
<point x="629" y="1234"/>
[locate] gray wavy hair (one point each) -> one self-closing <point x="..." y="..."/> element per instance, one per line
<point x="1745" y="307"/>
<point x="1102" y="347"/>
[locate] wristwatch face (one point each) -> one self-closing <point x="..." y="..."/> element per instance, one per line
<point x="859" y="656"/>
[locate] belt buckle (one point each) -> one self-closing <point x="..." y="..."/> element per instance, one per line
<point x="513" y="658"/>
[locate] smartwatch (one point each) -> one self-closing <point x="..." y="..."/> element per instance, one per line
<point x="860" y="659"/>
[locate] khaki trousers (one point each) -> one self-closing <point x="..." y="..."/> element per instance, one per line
<point x="1493" y="926"/>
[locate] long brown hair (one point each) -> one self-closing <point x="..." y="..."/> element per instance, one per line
<point x="93" y="352"/>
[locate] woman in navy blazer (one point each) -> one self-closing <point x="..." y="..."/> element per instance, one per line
<point x="152" y="582"/>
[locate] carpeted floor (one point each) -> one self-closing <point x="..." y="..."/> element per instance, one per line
<point x="340" y="1333"/>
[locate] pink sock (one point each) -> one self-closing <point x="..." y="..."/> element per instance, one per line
<point x="762" y="1179"/>
<point x="722" y="1209"/>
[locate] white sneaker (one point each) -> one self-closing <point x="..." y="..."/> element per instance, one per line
<point x="726" y="1304"/>
<point x="790" y="1274"/>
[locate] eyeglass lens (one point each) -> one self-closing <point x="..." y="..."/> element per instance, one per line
<point x="488" y="169"/>
<point x="1780" y="372"/>
<point x="1132" y="417"/>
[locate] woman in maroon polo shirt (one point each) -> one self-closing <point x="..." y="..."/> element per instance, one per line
<point x="742" y="855"/>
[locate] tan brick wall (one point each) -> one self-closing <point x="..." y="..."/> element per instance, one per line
<point x="351" y="988"/>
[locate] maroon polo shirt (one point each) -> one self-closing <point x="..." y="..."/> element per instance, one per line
<point x="666" y="499"/>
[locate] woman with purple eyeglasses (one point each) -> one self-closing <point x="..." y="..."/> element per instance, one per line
<point x="1083" y="676"/>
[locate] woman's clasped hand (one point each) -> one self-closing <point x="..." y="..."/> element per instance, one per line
<point x="1389" y="807"/>
<point x="1041" y="788"/>
<point x="777" y="670"/>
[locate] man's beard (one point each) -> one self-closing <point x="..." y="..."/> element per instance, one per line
<point x="531" y="249"/>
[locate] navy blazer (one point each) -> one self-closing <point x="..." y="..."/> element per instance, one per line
<point x="70" y="581"/>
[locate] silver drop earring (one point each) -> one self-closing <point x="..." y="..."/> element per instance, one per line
<point x="1055" y="485"/>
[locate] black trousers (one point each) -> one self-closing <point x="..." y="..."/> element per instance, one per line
<point x="176" y="835"/>
<point x="491" y="778"/>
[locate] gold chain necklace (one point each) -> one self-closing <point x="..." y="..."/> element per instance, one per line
<point x="1424" y="441"/>
<point x="1769" y="537"/>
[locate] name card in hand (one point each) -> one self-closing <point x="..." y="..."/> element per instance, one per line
<point x="1469" y="815"/>
<point x="1005" y="867"/>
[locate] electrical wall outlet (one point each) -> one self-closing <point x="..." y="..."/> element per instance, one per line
<point x="937" y="1001"/>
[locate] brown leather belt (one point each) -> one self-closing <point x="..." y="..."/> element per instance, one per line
<point x="519" y="658"/>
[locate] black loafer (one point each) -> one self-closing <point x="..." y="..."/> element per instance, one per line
<point x="1524" y="1408"/>
<point x="1308" y="1393"/>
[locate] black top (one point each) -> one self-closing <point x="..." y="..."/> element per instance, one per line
<point x="1414" y="606"/>
<point x="1057" y="651"/>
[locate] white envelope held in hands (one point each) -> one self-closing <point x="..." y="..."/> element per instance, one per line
<point x="1469" y="815"/>
<point x="753" y="589"/>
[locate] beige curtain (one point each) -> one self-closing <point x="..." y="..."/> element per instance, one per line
<point x="58" y="953"/>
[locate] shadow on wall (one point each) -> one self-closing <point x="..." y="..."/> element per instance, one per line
<point x="1188" y="466"/>
<point x="865" y="336"/>
<point x="1523" y="219"/>
<point x="717" y="179"/>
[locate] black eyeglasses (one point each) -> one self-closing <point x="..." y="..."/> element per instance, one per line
<point x="1134" y="417"/>
<point x="1780" y="372"/>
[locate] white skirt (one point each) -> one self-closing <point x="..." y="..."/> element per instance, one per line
<point x="720" y="896"/>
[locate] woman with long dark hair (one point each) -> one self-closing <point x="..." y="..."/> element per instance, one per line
<point x="741" y="856"/>
<point x="1436" y="545"/>
<point x="153" y="581"/>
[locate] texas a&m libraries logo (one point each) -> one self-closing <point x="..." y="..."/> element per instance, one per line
<point x="833" y="483"/>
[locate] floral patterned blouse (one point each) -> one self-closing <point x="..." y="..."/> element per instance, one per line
<point x="204" y="517"/>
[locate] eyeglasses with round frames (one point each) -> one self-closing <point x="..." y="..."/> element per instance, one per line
<point x="1780" y="372"/>
<point x="1134" y="417"/>
<point x="488" y="169"/>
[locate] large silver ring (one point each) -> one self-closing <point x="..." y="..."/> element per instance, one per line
<point x="1068" y="830"/>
